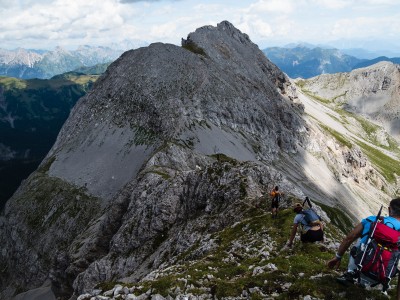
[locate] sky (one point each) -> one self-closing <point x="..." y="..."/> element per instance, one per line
<point x="45" y="24"/>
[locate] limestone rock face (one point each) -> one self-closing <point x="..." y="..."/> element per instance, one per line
<point x="164" y="92"/>
<point x="351" y="121"/>
<point x="157" y="155"/>
<point x="372" y="91"/>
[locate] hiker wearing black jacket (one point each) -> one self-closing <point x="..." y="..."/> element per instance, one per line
<point x="361" y="232"/>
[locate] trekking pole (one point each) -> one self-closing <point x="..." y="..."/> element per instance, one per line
<point x="308" y="201"/>
<point x="389" y="278"/>
<point x="370" y="235"/>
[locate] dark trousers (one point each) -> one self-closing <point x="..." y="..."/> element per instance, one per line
<point x="312" y="236"/>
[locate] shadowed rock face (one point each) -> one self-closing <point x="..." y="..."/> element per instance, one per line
<point x="134" y="177"/>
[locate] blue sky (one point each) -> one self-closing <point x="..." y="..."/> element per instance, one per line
<point x="45" y="24"/>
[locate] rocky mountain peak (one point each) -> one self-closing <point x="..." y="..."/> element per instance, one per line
<point x="19" y="57"/>
<point x="231" y="49"/>
<point x="173" y="146"/>
<point x="163" y="92"/>
<point x="224" y="30"/>
<point x="135" y="158"/>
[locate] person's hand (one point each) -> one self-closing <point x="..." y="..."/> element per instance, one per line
<point x="334" y="263"/>
<point x="287" y="246"/>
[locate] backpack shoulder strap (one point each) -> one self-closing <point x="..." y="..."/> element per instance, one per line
<point x="301" y="224"/>
<point x="390" y="224"/>
<point x="367" y="232"/>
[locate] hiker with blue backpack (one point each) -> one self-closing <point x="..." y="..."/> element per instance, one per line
<point x="308" y="223"/>
<point x="375" y="257"/>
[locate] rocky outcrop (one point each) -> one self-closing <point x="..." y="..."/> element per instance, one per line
<point x="360" y="158"/>
<point x="149" y="161"/>
<point x="372" y="92"/>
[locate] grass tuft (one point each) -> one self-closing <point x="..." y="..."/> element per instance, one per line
<point x="338" y="136"/>
<point x="388" y="166"/>
<point x="192" y="47"/>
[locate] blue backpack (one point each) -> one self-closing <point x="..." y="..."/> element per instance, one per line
<point x="311" y="217"/>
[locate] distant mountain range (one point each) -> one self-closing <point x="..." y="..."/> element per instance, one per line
<point x="306" y="61"/>
<point x="28" y="64"/>
<point x="302" y="60"/>
<point x="370" y="62"/>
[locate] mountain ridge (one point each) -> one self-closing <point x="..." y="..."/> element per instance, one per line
<point x="306" y="61"/>
<point x="165" y="152"/>
<point x="29" y="64"/>
<point x="297" y="60"/>
<point x="139" y="137"/>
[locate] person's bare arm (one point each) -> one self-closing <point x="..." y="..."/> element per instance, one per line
<point x="345" y="244"/>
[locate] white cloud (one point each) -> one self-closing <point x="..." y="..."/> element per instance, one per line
<point x="273" y="6"/>
<point x="330" y="4"/>
<point x="62" y="21"/>
<point x="163" y="30"/>
<point x="254" y="26"/>
<point x="47" y="23"/>
<point x="208" y="8"/>
<point x="381" y="2"/>
<point x="366" y="27"/>
<point x="5" y="4"/>
<point x="135" y="1"/>
<point x="262" y="29"/>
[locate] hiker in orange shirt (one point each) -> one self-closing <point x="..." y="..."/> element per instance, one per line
<point x="276" y="196"/>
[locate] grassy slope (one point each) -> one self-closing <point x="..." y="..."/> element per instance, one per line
<point x="386" y="165"/>
<point x="249" y="258"/>
<point x="10" y="82"/>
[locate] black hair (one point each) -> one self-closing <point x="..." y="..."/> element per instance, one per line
<point x="276" y="188"/>
<point x="297" y="208"/>
<point x="395" y="207"/>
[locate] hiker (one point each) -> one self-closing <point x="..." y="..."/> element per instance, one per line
<point x="361" y="231"/>
<point x="309" y="223"/>
<point x="276" y="196"/>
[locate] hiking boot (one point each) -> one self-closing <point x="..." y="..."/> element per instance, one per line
<point x="347" y="277"/>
